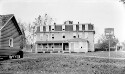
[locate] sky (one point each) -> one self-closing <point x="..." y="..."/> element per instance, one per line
<point x="102" y="13"/>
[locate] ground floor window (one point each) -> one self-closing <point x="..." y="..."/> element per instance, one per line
<point x="11" y="42"/>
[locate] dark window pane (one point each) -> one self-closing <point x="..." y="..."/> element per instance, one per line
<point x="44" y="28"/>
<point x="68" y="27"/>
<point x="49" y="28"/>
<point x="58" y="28"/>
<point x="77" y="27"/>
<point x="83" y="27"/>
<point x="90" y="27"/>
<point x="74" y="36"/>
<point x="63" y="36"/>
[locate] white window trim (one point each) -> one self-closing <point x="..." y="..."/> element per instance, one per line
<point x="52" y="35"/>
<point x="52" y="28"/>
<point x="63" y="27"/>
<point x="63" y="34"/>
<point x="74" y="27"/>
<point x="41" y="28"/>
<point x="80" y="27"/>
<point x="11" y="43"/>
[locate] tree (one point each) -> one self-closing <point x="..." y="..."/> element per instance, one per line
<point x="45" y="20"/>
<point x="23" y="36"/>
<point x="123" y="44"/>
<point x="122" y="1"/>
<point x="104" y="42"/>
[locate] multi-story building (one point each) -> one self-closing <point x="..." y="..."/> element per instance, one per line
<point x="67" y="37"/>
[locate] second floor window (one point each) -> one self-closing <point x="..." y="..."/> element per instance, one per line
<point x="63" y="36"/>
<point x="52" y="36"/>
<point x="74" y="36"/>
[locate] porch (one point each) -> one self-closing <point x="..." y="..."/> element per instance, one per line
<point x="52" y="47"/>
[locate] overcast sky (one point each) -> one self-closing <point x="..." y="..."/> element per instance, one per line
<point x="101" y="13"/>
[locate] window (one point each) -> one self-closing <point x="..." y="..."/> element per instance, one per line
<point x="80" y="27"/>
<point x="74" y="27"/>
<point x="11" y="42"/>
<point x="52" y="27"/>
<point x="63" y="36"/>
<point x="74" y="36"/>
<point x="77" y="27"/>
<point x="41" y="28"/>
<point x="68" y="27"/>
<point x="63" y="27"/>
<point x="90" y="26"/>
<point x="52" y="36"/>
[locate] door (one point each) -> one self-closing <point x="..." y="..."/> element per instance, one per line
<point x="65" y="46"/>
<point x="72" y="47"/>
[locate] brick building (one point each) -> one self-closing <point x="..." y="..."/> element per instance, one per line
<point x="67" y="37"/>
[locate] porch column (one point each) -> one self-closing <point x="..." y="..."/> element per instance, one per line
<point x="62" y="47"/>
<point x="36" y="48"/>
<point x="53" y="46"/>
<point x="47" y="47"/>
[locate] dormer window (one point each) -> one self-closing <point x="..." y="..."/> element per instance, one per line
<point x="11" y="42"/>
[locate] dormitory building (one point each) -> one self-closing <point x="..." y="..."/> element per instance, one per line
<point x="67" y="37"/>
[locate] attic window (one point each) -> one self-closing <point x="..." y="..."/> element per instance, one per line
<point x="11" y="42"/>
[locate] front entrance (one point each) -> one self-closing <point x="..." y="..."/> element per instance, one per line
<point x="65" y="46"/>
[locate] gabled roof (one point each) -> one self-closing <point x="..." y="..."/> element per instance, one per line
<point x="4" y="19"/>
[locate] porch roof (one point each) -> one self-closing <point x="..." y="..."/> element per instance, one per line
<point x="77" y="40"/>
<point x="64" y="41"/>
<point x="50" y="41"/>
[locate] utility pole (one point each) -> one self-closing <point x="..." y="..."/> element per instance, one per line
<point x="109" y="47"/>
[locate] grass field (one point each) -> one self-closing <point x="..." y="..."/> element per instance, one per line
<point x="66" y="63"/>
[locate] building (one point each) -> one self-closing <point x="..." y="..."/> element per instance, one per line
<point x="67" y="37"/>
<point x="10" y="37"/>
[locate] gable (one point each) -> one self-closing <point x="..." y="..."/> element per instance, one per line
<point x="4" y="19"/>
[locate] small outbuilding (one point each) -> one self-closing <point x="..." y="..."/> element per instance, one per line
<point x="11" y="37"/>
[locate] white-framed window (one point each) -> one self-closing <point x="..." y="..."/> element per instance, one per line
<point x="63" y="27"/>
<point x="52" y="35"/>
<point x="80" y="27"/>
<point x="11" y="42"/>
<point x="41" y="28"/>
<point x="74" y="27"/>
<point x="74" y="35"/>
<point x="52" y="28"/>
<point x="47" y="27"/>
<point x="80" y="35"/>
<point x="63" y="35"/>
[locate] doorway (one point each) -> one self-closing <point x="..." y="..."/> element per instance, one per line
<point x="65" y="46"/>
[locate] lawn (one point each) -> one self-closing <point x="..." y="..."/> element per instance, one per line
<point x="66" y="63"/>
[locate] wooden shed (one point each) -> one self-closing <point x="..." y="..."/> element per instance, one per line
<point x="10" y="37"/>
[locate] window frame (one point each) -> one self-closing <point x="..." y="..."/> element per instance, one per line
<point x="11" y="42"/>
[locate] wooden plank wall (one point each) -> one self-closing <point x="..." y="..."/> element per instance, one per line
<point x="10" y="31"/>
